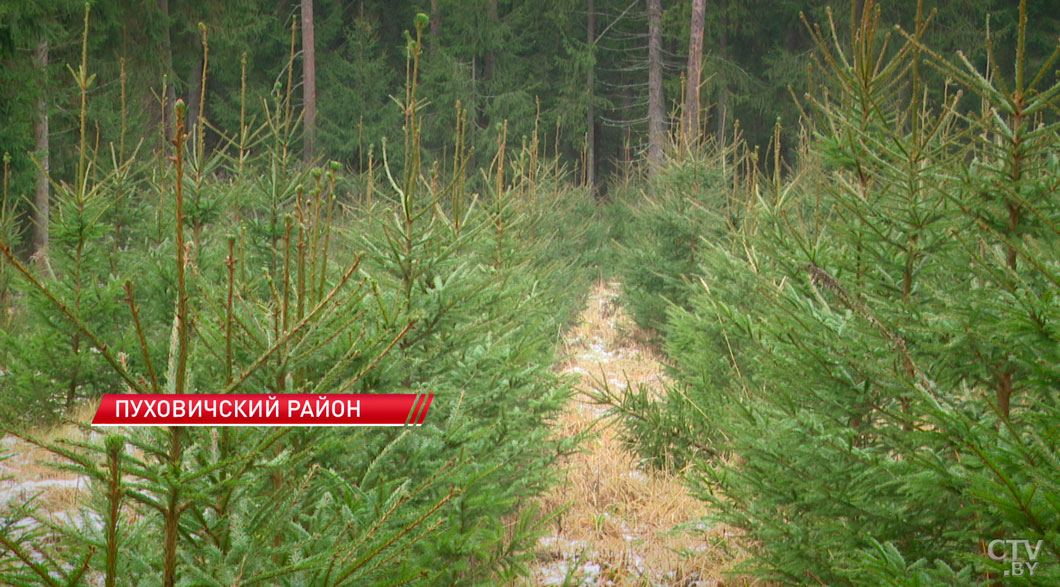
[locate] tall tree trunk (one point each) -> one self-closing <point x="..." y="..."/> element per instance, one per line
<point x="194" y="92"/>
<point x="490" y="58"/>
<point x="41" y="195"/>
<point x="436" y="25"/>
<point x="655" y="87"/>
<point x="723" y="55"/>
<point x="627" y="107"/>
<point x="167" y="69"/>
<point x="309" y="82"/>
<point x="590" y="117"/>
<point x="695" y="58"/>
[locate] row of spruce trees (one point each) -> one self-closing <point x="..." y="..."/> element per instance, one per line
<point x="863" y="343"/>
<point x="241" y="269"/>
<point x="866" y="352"/>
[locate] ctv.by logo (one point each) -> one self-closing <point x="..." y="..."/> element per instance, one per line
<point x="1002" y="550"/>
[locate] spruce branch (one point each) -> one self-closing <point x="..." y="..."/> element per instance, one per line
<point x="79" y="324"/>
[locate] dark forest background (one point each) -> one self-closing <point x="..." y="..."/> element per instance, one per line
<point x="577" y="63"/>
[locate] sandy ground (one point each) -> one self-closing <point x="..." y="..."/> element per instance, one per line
<point x="625" y="524"/>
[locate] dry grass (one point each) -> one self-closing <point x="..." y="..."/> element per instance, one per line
<point x="29" y="472"/>
<point x="623" y="525"/>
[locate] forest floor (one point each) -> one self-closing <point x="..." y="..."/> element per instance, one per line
<point x="28" y="473"/>
<point x="624" y="524"/>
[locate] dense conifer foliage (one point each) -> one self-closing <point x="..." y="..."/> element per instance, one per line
<point x="239" y="269"/>
<point x="864" y="363"/>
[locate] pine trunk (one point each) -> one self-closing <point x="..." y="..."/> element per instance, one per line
<point x="167" y="69"/>
<point x="194" y="92"/>
<point x="490" y="59"/>
<point x="723" y="55"/>
<point x="695" y="58"/>
<point x="41" y="195"/>
<point x="590" y="117"/>
<point x="655" y="85"/>
<point x="627" y="106"/>
<point x="309" y="82"/>
<point x="436" y="25"/>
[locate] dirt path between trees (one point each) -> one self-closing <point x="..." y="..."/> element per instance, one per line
<point x="626" y="525"/>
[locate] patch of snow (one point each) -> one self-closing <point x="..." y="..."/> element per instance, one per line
<point x="81" y="519"/>
<point x="601" y="350"/>
<point x="24" y="490"/>
<point x="591" y="569"/>
<point x="553" y="574"/>
<point x="702" y="526"/>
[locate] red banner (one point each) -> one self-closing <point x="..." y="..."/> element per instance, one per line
<point x="296" y="409"/>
